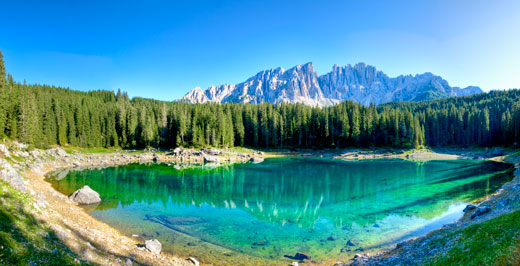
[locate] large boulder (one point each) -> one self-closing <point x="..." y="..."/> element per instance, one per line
<point x="178" y="151"/>
<point x="4" y="151"/>
<point x="11" y="176"/>
<point x="153" y="246"/>
<point x="85" y="196"/>
<point x="480" y="211"/>
<point x="212" y="151"/>
<point x="256" y="159"/>
<point x="495" y="152"/>
<point x="469" y="207"/>
<point x="211" y="159"/>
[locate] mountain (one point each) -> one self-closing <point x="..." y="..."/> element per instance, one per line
<point x="360" y="83"/>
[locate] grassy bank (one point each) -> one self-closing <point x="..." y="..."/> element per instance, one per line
<point x="23" y="239"/>
<point x="493" y="242"/>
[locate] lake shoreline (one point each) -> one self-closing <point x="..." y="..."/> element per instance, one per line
<point x="94" y="240"/>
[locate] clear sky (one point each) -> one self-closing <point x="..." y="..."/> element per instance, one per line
<point x="162" y="49"/>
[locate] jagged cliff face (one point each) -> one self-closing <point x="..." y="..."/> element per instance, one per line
<point x="301" y="84"/>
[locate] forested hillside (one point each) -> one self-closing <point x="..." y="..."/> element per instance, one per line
<point x="44" y="115"/>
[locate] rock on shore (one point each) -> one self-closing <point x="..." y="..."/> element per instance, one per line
<point x="257" y="159"/>
<point x="86" y="196"/>
<point x="153" y="246"/>
<point x="11" y="176"/>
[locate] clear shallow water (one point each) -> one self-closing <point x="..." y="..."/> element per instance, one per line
<point x="258" y="213"/>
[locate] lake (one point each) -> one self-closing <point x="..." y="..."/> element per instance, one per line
<point x="261" y="214"/>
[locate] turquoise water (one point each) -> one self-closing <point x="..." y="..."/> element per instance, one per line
<point x="261" y="213"/>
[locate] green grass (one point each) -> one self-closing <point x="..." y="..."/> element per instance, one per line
<point x="23" y="240"/>
<point x="241" y="149"/>
<point x="73" y="149"/>
<point x="493" y="242"/>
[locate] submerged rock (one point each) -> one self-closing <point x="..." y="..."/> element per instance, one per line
<point x="332" y="238"/>
<point x="153" y="246"/>
<point x="86" y="196"/>
<point x="350" y="244"/>
<point x="302" y="256"/>
<point x="260" y="243"/>
<point x="480" y="211"/>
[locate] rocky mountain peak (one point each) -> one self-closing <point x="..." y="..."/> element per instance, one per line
<point x="361" y="83"/>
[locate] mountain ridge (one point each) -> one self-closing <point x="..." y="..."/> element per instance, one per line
<point x="301" y="84"/>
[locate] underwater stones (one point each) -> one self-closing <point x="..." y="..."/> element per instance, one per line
<point x="85" y="196"/>
<point x="350" y="244"/>
<point x="294" y="263"/>
<point x="153" y="245"/>
<point x="339" y="263"/>
<point x="302" y="256"/>
<point x="260" y="243"/>
<point x="256" y="159"/>
<point x="469" y="207"/>
<point x="332" y="238"/>
<point x="480" y="211"/>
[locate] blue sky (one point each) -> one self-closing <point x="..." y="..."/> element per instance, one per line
<point x="162" y="49"/>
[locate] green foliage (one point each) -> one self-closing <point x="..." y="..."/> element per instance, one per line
<point x="493" y="242"/>
<point x="43" y="115"/>
<point x="23" y="240"/>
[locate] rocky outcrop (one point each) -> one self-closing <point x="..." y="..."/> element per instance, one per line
<point x="85" y="196"/>
<point x="211" y="159"/>
<point x="11" y="176"/>
<point x="4" y="151"/>
<point x="301" y="84"/>
<point x="480" y="211"/>
<point x="256" y="159"/>
<point x="153" y="246"/>
<point x="212" y="151"/>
